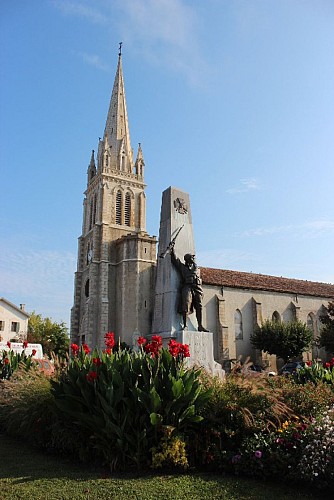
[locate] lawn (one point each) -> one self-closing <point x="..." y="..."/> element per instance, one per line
<point x="27" y="473"/>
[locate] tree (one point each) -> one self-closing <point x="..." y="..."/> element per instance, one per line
<point x="326" y="338"/>
<point x="286" y="340"/>
<point x="53" y="336"/>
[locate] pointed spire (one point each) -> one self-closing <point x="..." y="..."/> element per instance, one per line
<point x="140" y="163"/>
<point x="116" y="133"/>
<point x="91" y="171"/>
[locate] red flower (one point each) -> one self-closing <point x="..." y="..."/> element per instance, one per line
<point x="33" y="352"/>
<point x="91" y="376"/>
<point x="108" y="351"/>
<point x="141" y="341"/>
<point x="25" y="344"/>
<point x="327" y="365"/>
<point x="184" y="350"/>
<point x="174" y="347"/>
<point x="8" y="344"/>
<point x="157" y="340"/>
<point x="177" y="349"/>
<point x="110" y="339"/>
<point x="75" y="349"/>
<point x="86" y="348"/>
<point x="97" y="361"/>
<point x="309" y="363"/>
<point x="6" y="361"/>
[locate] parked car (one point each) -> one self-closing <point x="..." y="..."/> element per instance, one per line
<point x="291" y="367"/>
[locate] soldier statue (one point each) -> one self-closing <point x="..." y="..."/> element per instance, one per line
<point x="191" y="287"/>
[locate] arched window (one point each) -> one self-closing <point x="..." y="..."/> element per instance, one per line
<point x="119" y="208"/>
<point x="276" y="317"/>
<point x="94" y="209"/>
<point x="311" y="324"/>
<point x="91" y="213"/>
<point x="127" y="210"/>
<point x="238" y="325"/>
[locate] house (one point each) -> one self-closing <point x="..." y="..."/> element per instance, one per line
<point x="13" y="321"/>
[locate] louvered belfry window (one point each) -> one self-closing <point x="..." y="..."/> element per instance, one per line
<point x="119" y="208"/>
<point x="127" y="212"/>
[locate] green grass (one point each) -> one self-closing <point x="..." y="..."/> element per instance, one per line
<point x="27" y="473"/>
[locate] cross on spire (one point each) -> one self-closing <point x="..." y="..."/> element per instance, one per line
<point x="120" y="48"/>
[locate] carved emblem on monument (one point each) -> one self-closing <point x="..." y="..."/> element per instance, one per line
<point x="180" y="206"/>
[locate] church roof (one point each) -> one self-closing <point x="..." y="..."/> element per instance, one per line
<point x="238" y="279"/>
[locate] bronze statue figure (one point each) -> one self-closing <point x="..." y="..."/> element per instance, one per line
<point x="191" y="287"/>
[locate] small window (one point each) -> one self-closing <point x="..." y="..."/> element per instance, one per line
<point x="15" y="326"/>
<point x="238" y="325"/>
<point x="2" y="326"/>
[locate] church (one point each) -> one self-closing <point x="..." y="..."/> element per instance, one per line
<point x="114" y="284"/>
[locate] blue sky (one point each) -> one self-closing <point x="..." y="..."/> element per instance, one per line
<point x="232" y="101"/>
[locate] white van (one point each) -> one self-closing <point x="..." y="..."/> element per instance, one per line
<point x="18" y="348"/>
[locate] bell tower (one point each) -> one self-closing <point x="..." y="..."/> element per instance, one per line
<point x="114" y="281"/>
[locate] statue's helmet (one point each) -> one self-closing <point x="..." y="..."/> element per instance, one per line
<point x="188" y="257"/>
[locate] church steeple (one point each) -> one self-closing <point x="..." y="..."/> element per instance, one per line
<point x="116" y="153"/>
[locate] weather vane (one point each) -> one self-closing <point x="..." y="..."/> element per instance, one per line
<point x="120" y="48"/>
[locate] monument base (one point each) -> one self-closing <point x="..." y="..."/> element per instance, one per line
<point x="201" y="351"/>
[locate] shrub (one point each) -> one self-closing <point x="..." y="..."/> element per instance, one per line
<point x="26" y="406"/>
<point x="123" y="399"/>
<point x="238" y="407"/>
<point x="305" y="400"/>
<point x="10" y="361"/>
<point x="315" y="372"/>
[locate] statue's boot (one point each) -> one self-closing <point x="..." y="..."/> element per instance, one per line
<point x="202" y="329"/>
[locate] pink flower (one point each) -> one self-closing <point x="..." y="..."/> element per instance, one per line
<point x="258" y="454"/>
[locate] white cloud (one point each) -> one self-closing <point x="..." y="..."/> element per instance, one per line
<point x="309" y="229"/>
<point x="78" y="9"/>
<point x="93" y="60"/>
<point x="245" y="186"/>
<point x="165" y="32"/>
<point x="223" y="258"/>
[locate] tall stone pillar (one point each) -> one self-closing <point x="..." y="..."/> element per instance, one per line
<point x="175" y="221"/>
<point x="175" y="214"/>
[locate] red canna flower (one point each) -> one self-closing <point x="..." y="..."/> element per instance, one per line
<point x="309" y="363"/>
<point x="25" y="344"/>
<point x="8" y="344"/>
<point x="108" y="351"/>
<point x="184" y="350"/>
<point x="86" y="348"/>
<point x="6" y="361"/>
<point x="33" y="352"/>
<point x="97" y="361"/>
<point x="157" y="340"/>
<point x="74" y="349"/>
<point x="141" y="341"/>
<point x="91" y="376"/>
<point x="110" y="339"/>
<point x="327" y="365"/>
